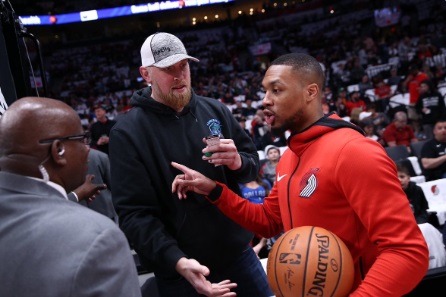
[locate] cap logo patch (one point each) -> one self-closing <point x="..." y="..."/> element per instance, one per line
<point x="161" y="50"/>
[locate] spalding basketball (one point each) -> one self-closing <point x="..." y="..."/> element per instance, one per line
<point x="310" y="261"/>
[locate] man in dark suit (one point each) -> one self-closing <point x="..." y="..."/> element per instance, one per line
<point x="50" y="246"/>
<point x="97" y="195"/>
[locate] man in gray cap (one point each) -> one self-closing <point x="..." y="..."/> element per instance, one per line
<point x="191" y="247"/>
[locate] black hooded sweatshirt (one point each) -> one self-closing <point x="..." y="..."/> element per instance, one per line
<point x="418" y="202"/>
<point x="160" y="227"/>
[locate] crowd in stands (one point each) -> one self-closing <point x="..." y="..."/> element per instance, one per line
<point x="364" y="70"/>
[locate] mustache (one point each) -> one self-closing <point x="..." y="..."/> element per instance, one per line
<point x="180" y="84"/>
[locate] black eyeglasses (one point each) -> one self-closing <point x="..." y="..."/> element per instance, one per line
<point x="84" y="137"/>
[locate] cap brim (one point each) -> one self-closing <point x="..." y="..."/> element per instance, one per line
<point x="169" y="61"/>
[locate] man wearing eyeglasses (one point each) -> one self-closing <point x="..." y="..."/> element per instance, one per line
<point x="50" y="246"/>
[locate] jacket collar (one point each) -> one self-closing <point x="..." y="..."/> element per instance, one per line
<point x="328" y="123"/>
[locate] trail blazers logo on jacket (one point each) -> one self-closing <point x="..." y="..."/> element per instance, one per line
<point x="308" y="183"/>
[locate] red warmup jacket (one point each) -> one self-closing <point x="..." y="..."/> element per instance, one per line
<point x="335" y="178"/>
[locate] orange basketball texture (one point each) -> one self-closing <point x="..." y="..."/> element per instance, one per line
<point x="310" y="261"/>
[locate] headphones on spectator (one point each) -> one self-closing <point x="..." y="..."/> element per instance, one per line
<point x="61" y="151"/>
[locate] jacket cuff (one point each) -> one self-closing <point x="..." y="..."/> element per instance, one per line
<point x="215" y="193"/>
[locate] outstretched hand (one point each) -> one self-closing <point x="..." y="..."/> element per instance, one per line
<point x="195" y="274"/>
<point x="88" y="190"/>
<point x="191" y="180"/>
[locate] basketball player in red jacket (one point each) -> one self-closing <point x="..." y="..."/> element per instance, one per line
<point x="332" y="177"/>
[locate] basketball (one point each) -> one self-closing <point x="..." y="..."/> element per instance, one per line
<point x="310" y="261"/>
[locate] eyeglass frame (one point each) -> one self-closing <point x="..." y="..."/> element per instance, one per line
<point x="86" y="137"/>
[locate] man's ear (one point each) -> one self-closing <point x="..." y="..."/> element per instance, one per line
<point x="58" y="152"/>
<point x="145" y="73"/>
<point x="313" y="91"/>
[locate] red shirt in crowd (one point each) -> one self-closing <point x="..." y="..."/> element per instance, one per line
<point x="414" y="84"/>
<point x="398" y="135"/>
<point x="383" y="91"/>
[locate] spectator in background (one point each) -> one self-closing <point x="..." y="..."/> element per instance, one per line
<point x="399" y="132"/>
<point x="339" y="104"/>
<point x="412" y="83"/>
<point x="100" y="130"/>
<point x="249" y="111"/>
<point x="427" y="69"/>
<point x="439" y="73"/>
<point x="268" y="170"/>
<point x="99" y="171"/>
<point x="259" y="129"/>
<point x="430" y="106"/>
<point x="242" y="121"/>
<point x="238" y="109"/>
<point x="383" y="92"/>
<point x="414" y="193"/>
<point x="50" y="246"/>
<point x="379" y="119"/>
<point x="270" y="139"/>
<point x="433" y="153"/>
<point x="327" y="100"/>
<point x="369" y="130"/>
<point x="228" y="98"/>
<point x="355" y="101"/>
<point x="342" y="95"/>
<point x="419" y="205"/>
<point x="365" y="84"/>
<point x="256" y="191"/>
<point x="394" y="78"/>
<point x="404" y="48"/>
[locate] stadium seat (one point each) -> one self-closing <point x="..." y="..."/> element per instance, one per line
<point x="352" y="88"/>
<point x="418" y="179"/>
<point x="261" y="155"/>
<point x="397" y="153"/>
<point x="415" y="165"/>
<point x="399" y="99"/>
<point x="416" y="147"/>
<point x="370" y="93"/>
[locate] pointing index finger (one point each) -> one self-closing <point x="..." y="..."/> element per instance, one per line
<point x="179" y="166"/>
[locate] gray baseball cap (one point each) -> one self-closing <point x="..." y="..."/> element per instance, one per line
<point x="163" y="50"/>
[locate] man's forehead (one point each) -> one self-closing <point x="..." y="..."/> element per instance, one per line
<point x="276" y="74"/>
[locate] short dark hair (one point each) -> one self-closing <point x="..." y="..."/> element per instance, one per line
<point x="401" y="167"/>
<point x="303" y="63"/>
<point x="441" y="119"/>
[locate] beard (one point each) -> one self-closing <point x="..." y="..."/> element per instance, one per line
<point x="289" y="123"/>
<point x="176" y="101"/>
